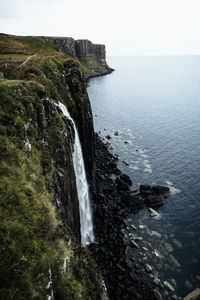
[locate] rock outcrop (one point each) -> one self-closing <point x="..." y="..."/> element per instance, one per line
<point x="87" y="48"/>
<point x="65" y="44"/>
<point x="92" y="56"/>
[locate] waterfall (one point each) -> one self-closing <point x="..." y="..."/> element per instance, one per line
<point x="50" y="295"/>
<point x="87" y="235"/>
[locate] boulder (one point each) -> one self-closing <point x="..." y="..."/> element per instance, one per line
<point x="195" y="295"/>
<point x="137" y="238"/>
<point x="126" y="178"/>
<point x="141" y="227"/>
<point x="156" y="234"/>
<point x="108" y="137"/>
<point x="134" y="227"/>
<point x="169" y="286"/>
<point x="145" y="189"/>
<point x="153" y="213"/>
<point x="1" y="75"/>
<point x="155" y="200"/>
<point x="134" y="244"/>
<point x="133" y="201"/>
<point x="157" y="294"/>
<point x="161" y="190"/>
<point x="121" y="184"/>
<point x="148" y="268"/>
<point x="116" y="171"/>
<point x="156" y="281"/>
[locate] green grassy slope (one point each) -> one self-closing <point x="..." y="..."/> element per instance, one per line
<point x="33" y="240"/>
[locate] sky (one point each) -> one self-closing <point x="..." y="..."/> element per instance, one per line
<point x="126" y="27"/>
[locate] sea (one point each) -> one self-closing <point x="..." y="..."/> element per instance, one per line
<point x="153" y="104"/>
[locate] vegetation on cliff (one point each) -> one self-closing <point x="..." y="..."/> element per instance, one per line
<point x="38" y="250"/>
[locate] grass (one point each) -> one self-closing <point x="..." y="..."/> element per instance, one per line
<point x="92" y="66"/>
<point x="33" y="238"/>
<point x="15" y="49"/>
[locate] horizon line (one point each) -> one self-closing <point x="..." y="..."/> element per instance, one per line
<point x="170" y="54"/>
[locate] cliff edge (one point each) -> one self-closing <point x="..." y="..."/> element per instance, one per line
<point x="41" y="255"/>
<point x="91" y="56"/>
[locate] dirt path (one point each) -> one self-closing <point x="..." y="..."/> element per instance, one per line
<point x="27" y="59"/>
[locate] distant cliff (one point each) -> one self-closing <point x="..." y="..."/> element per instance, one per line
<point x="92" y="56"/>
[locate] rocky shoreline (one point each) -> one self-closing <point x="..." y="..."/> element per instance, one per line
<point x="120" y="249"/>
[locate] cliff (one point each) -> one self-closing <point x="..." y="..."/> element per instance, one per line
<point x="40" y="225"/>
<point x="91" y="56"/>
<point x="40" y="252"/>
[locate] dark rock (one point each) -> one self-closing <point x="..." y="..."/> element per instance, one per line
<point x="155" y="200"/>
<point x="136" y="266"/>
<point x="194" y="295"/>
<point x="145" y="189"/>
<point x="102" y="177"/>
<point x="126" y="178"/>
<point x="148" y="268"/>
<point x="157" y="294"/>
<point x="117" y="171"/>
<point x="121" y="184"/>
<point x="108" y="137"/>
<point x="139" y="296"/>
<point x="161" y="190"/>
<point x="133" y="201"/>
<point x="154" y="196"/>
<point x="110" y="210"/>
<point x="121" y="268"/>
<point x="157" y="281"/>
<point x="112" y="165"/>
<point x="169" y="286"/>
<point x="123" y="212"/>
<point x="138" y="201"/>
<point x="134" y="244"/>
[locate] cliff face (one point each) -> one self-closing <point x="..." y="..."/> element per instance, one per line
<point x="91" y="56"/>
<point x="65" y="45"/>
<point x="87" y="48"/>
<point x="39" y="203"/>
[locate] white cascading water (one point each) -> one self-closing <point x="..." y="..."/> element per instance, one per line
<point x="87" y="235"/>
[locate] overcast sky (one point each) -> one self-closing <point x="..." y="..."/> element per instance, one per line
<point x="127" y="27"/>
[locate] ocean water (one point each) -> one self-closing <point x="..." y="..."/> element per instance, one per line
<point x="154" y="104"/>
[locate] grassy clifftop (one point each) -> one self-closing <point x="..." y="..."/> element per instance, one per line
<point x="39" y="253"/>
<point x="18" y="50"/>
